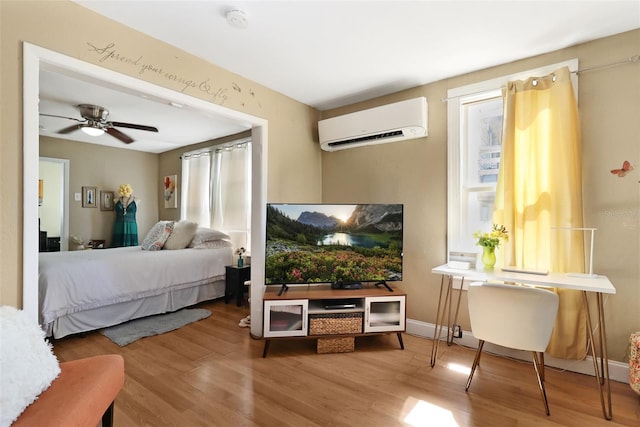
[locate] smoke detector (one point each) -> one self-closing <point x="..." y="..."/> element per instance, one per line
<point x="237" y="18"/>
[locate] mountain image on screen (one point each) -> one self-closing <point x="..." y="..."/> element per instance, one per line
<point x="318" y="220"/>
<point x="333" y="243"/>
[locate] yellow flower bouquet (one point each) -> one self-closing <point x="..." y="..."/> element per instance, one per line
<point x="493" y="238"/>
<point x="489" y="242"/>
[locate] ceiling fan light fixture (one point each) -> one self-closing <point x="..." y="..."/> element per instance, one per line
<point x="94" y="123"/>
<point x="92" y="131"/>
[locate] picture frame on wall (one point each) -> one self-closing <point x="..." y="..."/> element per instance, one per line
<point x="89" y="197"/>
<point x="106" y="200"/>
<point x="170" y="185"/>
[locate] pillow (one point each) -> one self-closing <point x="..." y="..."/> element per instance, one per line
<point x="204" y="234"/>
<point x="155" y="238"/>
<point x="213" y="244"/>
<point x="181" y="236"/>
<point x="27" y="363"/>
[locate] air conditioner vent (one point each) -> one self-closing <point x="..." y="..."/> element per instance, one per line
<point x="399" y="121"/>
<point x="368" y="138"/>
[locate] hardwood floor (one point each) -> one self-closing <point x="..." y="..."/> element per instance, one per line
<point x="211" y="373"/>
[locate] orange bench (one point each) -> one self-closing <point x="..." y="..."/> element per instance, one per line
<point x="634" y="362"/>
<point x="81" y="395"/>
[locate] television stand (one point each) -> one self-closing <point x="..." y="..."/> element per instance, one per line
<point x="385" y="284"/>
<point x="332" y="317"/>
<point x="346" y="285"/>
<point x="283" y="289"/>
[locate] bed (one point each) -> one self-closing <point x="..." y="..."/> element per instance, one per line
<point x="81" y="291"/>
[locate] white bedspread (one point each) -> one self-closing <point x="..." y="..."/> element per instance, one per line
<point x="74" y="281"/>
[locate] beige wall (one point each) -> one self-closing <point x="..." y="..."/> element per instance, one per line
<point x="414" y="173"/>
<point x="63" y="26"/>
<point x="106" y="168"/>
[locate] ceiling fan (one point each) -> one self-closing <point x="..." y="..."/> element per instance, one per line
<point x="94" y="122"/>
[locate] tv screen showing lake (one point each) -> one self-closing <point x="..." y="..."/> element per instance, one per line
<point x="320" y="243"/>
<point x="346" y="239"/>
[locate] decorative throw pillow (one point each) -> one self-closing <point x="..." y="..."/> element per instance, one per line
<point x="181" y="236"/>
<point x="27" y="363"/>
<point x="204" y="234"/>
<point x="213" y="244"/>
<point x="159" y="233"/>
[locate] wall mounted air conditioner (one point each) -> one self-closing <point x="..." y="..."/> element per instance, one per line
<point x="399" y="121"/>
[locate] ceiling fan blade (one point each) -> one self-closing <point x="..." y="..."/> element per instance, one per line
<point x="71" y="128"/>
<point x="117" y="134"/>
<point x="62" y="117"/>
<point x="133" y="126"/>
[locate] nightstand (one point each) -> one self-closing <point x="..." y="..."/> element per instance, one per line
<point x="234" y="282"/>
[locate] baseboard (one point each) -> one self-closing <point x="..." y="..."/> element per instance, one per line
<point x="618" y="371"/>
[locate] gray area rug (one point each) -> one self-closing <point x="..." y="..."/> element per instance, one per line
<point x="131" y="331"/>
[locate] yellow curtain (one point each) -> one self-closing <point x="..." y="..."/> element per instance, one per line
<point x="539" y="189"/>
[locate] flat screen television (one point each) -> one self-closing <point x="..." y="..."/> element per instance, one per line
<point x="340" y="244"/>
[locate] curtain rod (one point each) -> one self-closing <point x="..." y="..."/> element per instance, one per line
<point x="630" y="60"/>
<point x="238" y="143"/>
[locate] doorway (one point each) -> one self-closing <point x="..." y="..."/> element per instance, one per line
<point x="53" y="204"/>
<point x="37" y="58"/>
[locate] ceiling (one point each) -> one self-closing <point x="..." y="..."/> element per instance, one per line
<point x="177" y="127"/>
<point x="331" y="53"/>
<point x="328" y="54"/>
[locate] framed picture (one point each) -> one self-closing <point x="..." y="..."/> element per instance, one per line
<point x="106" y="200"/>
<point x="89" y="197"/>
<point x="170" y="184"/>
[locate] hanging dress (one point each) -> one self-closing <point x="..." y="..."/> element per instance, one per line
<point x="125" y="229"/>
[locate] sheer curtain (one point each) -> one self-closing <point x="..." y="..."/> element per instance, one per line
<point x="540" y="189"/>
<point x="217" y="190"/>
<point x="231" y="193"/>
<point x="196" y="183"/>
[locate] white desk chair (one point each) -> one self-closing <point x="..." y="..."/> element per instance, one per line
<point x="513" y="316"/>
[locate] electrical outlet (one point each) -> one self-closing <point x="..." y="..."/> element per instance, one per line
<point x="457" y="331"/>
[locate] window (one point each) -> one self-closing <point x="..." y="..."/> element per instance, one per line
<point x="478" y="160"/>
<point x="216" y="190"/>
<point x="474" y="146"/>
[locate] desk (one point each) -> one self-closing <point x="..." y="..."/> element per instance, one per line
<point x="599" y="285"/>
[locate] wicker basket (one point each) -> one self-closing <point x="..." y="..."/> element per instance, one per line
<point x="335" y="323"/>
<point x="336" y="345"/>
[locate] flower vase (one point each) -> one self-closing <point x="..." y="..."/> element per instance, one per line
<point x="240" y="262"/>
<point x="488" y="257"/>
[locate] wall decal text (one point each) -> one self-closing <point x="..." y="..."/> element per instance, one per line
<point x="217" y="94"/>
